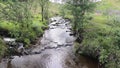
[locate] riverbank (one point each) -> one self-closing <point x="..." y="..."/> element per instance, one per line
<point x="55" y="50"/>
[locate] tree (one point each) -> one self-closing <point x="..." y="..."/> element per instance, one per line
<point x="44" y="8"/>
<point x="79" y="10"/>
<point x="19" y="13"/>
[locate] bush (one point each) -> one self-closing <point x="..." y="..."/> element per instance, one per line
<point x="101" y="41"/>
<point x="22" y="21"/>
<point x="2" y="48"/>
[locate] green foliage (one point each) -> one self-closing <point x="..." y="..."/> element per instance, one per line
<point x="44" y="4"/>
<point x="108" y="5"/>
<point x="101" y="40"/>
<point x="7" y="25"/>
<point x="19" y="13"/>
<point x="2" y="48"/>
<point x="54" y="9"/>
<point x="62" y="11"/>
<point x="79" y="10"/>
<point x="102" y="34"/>
<point x="17" y="18"/>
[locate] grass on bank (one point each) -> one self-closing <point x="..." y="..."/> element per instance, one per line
<point x="36" y="23"/>
<point x="101" y="39"/>
<point x="108" y="4"/>
<point x="102" y="34"/>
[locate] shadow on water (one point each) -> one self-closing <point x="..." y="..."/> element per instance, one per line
<point x="9" y="65"/>
<point x="87" y="62"/>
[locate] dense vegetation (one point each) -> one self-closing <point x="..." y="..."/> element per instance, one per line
<point x="2" y="48"/>
<point x="96" y="25"/>
<point x="99" y="32"/>
<point x="101" y="35"/>
<point x="18" y="20"/>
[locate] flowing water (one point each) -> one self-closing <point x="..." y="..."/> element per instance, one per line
<point x="55" y="50"/>
<point x="63" y="1"/>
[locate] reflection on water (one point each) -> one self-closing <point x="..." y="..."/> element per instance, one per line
<point x="55" y="50"/>
<point x="9" y="64"/>
<point x="86" y="62"/>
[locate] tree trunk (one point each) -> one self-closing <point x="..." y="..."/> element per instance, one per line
<point x="42" y="11"/>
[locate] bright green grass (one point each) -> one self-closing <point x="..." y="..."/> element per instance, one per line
<point x="54" y="9"/>
<point x="108" y="4"/>
<point x="7" y="25"/>
<point x="99" y="19"/>
<point x="11" y="26"/>
<point x="38" y="23"/>
<point x="101" y="23"/>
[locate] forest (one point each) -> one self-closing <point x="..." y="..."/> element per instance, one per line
<point x="59" y="34"/>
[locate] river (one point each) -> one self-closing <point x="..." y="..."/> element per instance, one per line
<point x="63" y="1"/>
<point x="55" y="50"/>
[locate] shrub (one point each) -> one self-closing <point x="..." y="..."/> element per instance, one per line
<point x="2" y="48"/>
<point x="101" y="41"/>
